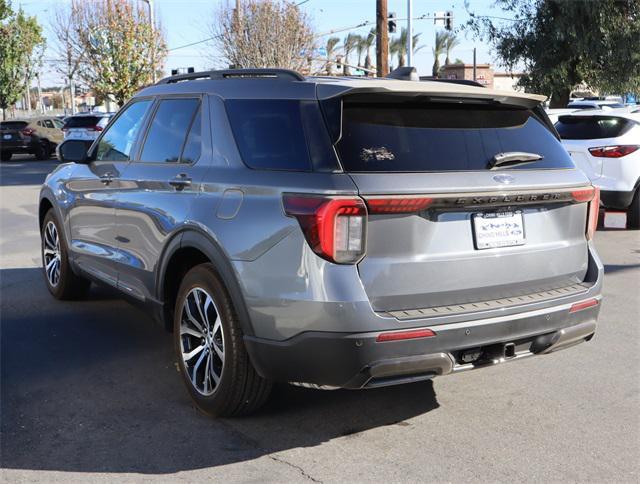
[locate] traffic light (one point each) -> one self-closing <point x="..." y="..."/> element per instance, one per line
<point x="448" y="20"/>
<point x="392" y="22"/>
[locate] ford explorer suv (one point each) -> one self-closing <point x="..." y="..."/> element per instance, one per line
<point x="329" y="232"/>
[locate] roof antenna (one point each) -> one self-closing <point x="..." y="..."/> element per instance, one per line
<point x="404" y="74"/>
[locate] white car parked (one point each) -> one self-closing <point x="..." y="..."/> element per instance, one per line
<point x="597" y="104"/>
<point x="606" y="146"/>
<point x="85" y="126"/>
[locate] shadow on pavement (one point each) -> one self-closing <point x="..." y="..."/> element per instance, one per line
<point x="92" y="386"/>
<point x="611" y="268"/>
<point x="25" y="171"/>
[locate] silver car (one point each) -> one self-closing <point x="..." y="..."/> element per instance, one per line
<point x="329" y="232"/>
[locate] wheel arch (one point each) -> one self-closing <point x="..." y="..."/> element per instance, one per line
<point x="185" y="250"/>
<point x="44" y="206"/>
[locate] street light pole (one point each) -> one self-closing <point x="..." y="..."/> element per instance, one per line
<point x="382" y="38"/>
<point x="153" y="40"/>
<point x="409" y="33"/>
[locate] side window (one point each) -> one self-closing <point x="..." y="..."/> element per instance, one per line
<point x="168" y="130"/>
<point x="57" y="123"/>
<point x="193" y="146"/>
<point x="48" y="124"/>
<point x="39" y="123"/>
<point x="118" y="140"/>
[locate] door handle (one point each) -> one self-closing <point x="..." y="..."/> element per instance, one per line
<point x="180" y="182"/>
<point x="106" y="178"/>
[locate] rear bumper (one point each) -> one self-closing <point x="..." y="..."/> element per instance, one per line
<point x="359" y="361"/>
<point x="17" y="146"/>
<point x="614" y="199"/>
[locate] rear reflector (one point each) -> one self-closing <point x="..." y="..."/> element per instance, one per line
<point x="398" y="204"/>
<point x="583" y="195"/>
<point x="593" y="213"/>
<point x="589" y="303"/>
<point x="616" y="151"/>
<point x="401" y="335"/>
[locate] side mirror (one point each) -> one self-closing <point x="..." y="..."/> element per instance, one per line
<point x="73" y="150"/>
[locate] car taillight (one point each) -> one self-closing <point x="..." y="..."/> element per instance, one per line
<point x="402" y="204"/>
<point x="95" y="128"/>
<point x="617" y="151"/>
<point x="64" y="128"/>
<point x="335" y="227"/>
<point x="28" y="131"/>
<point x="591" y="195"/>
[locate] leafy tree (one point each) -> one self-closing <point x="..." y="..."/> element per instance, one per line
<point x="264" y="33"/>
<point x="563" y="43"/>
<point x="438" y="49"/>
<point x="20" y="38"/>
<point x="331" y="47"/>
<point x="398" y="46"/>
<point x="451" y="43"/>
<point x="121" y="48"/>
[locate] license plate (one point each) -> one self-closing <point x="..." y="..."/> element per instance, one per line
<point x="6" y="136"/>
<point x="498" y="229"/>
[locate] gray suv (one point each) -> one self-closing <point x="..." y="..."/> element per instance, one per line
<point x="329" y="232"/>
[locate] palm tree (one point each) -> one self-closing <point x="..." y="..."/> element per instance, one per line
<point x="360" y="48"/>
<point x="438" y="50"/>
<point x="368" y="42"/>
<point x="348" y="45"/>
<point x="451" y="42"/>
<point x="398" y="46"/>
<point x="331" y="47"/>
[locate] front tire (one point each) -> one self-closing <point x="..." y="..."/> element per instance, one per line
<point x="213" y="361"/>
<point x="633" y="212"/>
<point x="59" y="277"/>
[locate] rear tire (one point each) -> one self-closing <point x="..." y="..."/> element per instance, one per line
<point x="61" y="281"/>
<point x="39" y="152"/>
<point x="633" y="212"/>
<point x="5" y="155"/>
<point x="213" y="361"/>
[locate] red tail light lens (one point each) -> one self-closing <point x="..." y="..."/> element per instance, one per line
<point x="335" y="227"/>
<point x="398" y="204"/>
<point x="95" y="128"/>
<point x="402" y="335"/>
<point x="28" y="131"/>
<point x="617" y="151"/>
<point x="591" y="195"/>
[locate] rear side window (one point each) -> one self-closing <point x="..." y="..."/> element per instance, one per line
<point x="269" y="133"/>
<point x="426" y="136"/>
<point x="168" y="130"/>
<point x="592" y="127"/>
<point x="82" y="121"/>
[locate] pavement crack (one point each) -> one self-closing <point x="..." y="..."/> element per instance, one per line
<point x="298" y="468"/>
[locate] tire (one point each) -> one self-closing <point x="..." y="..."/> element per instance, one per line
<point x="39" y="152"/>
<point x="61" y="281"/>
<point x="219" y="377"/>
<point x="5" y="155"/>
<point x="633" y="212"/>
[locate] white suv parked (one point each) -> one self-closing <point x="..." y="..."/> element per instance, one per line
<point x="606" y="146"/>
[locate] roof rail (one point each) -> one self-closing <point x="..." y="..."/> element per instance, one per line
<point x="284" y="74"/>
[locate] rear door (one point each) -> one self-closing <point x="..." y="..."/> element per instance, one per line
<point x="158" y="189"/>
<point x="444" y="228"/>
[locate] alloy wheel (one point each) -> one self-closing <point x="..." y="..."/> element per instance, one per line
<point x="51" y="253"/>
<point x="202" y="341"/>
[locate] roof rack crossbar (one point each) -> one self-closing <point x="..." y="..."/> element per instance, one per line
<point x="283" y="74"/>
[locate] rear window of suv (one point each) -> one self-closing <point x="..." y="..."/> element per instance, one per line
<point x="426" y="136"/>
<point x="13" y="124"/>
<point x="82" y="121"/>
<point x="592" y="127"/>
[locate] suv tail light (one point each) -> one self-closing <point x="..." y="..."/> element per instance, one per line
<point x="335" y="227"/>
<point x="616" y="151"/>
<point x="402" y="204"/>
<point x="28" y="131"/>
<point x="591" y="195"/>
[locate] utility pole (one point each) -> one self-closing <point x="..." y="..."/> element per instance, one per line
<point x="474" y="63"/>
<point x="409" y="33"/>
<point x="152" y="22"/>
<point x="40" y="103"/>
<point x="28" y="96"/>
<point x="382" y="38"/>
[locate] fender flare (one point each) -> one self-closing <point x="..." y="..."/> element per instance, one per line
<point x="195" y="238"/>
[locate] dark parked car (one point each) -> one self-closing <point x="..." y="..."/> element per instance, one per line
<point x="329" y="232"/>
<point x="37" y="136"/>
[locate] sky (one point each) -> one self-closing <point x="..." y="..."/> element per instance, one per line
<point x="188" y="21"/>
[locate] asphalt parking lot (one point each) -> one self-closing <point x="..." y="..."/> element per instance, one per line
<point x="90" y="391"/>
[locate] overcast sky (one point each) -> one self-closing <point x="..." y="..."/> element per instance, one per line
<point x="187" y="21"/>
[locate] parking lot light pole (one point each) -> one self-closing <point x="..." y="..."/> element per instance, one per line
<point x="153" y="41"/>
<point x="409" y="33"/>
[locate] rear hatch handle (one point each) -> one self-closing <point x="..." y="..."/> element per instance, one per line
<point x="513" y="158"/>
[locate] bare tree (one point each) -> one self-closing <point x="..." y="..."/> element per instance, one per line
<point x="122" y="48"/>
<point x="67" y="46"/>
<point x="263" y="33"/>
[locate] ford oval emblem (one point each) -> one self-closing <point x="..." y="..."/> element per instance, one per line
<point x="504" y="179"/>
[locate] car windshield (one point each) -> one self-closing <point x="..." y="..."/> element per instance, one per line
<point x="82" y="121"/>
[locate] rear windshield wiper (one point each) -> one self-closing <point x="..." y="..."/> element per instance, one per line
<point x="513" y="158"/>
